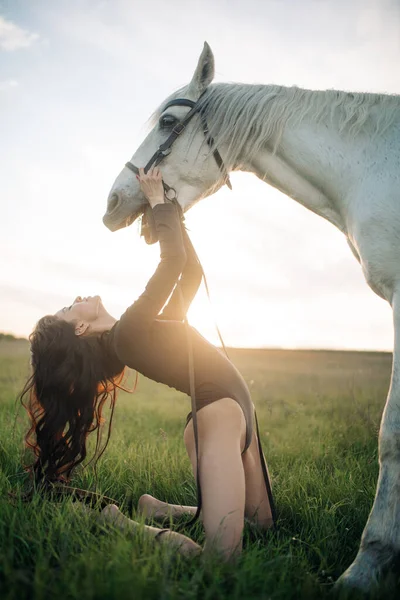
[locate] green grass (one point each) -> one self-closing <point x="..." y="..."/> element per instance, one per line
<point x="319" y="415"/>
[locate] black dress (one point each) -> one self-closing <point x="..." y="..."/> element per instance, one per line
<point x="154" y="343"/>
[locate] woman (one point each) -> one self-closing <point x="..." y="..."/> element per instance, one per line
<point x="79" y="354"/>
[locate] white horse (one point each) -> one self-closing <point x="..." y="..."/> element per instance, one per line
<point x="336" y="153"/>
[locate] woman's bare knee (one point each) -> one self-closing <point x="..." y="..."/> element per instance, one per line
<point x="223" y="418"/>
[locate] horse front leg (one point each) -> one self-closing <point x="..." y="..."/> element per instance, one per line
<point x="380" y="542"/>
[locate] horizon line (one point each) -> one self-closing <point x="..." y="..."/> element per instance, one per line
<point x="269" y="348"/>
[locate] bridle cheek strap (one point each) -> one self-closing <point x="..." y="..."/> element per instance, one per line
<point x="165" y="148"/>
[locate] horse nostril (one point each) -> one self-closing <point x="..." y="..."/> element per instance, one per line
<point x="113" y="203"/>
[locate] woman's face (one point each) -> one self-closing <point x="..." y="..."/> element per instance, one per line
<point x="82" y="309"/>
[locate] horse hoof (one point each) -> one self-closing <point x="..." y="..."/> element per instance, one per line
<point x="362" y="576"/>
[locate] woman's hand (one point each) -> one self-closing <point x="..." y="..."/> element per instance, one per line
<point x="151" y="186"/>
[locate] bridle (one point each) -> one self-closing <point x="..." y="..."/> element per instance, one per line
<point x="165" y="148"/>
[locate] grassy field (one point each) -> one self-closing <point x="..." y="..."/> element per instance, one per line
<point x="319" y="415"/>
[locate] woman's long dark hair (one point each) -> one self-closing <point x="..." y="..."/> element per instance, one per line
<point x="72" y="378"/>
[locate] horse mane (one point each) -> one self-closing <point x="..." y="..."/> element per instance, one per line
<point x="250" y="116"/>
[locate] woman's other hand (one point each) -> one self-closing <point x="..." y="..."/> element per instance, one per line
<point x="151" y="185"/>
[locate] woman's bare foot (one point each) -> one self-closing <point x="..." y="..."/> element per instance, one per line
<point x="151" y="508"/>
<point x="181" y="543"/>
<point x="113" y="516"/>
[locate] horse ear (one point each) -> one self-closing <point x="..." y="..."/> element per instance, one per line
<point x="203" y="75"/>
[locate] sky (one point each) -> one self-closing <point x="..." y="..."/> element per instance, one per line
<point x="79" y="80"/>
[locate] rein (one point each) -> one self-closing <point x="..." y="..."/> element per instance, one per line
<point x="148" y="232"/>
<point x="194" y="414"/>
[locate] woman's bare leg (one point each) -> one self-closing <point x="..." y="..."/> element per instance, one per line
<point x="222" y="434"/>
<point x="257" y="507"/>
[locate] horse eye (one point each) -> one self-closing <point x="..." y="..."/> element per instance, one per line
<point x="167" y="121"/>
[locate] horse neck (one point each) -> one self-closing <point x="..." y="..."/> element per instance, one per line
<point x="312" y="166"/>
<point x="288" y="179"/>
<point x="315" y="165"/>
<point x="297" y="140"/>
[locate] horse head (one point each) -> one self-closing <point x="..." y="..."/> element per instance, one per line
<point x="188" y="166"/>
